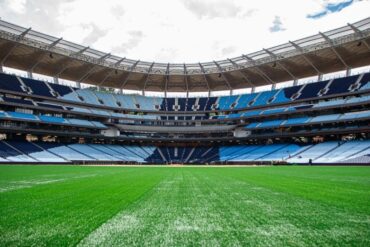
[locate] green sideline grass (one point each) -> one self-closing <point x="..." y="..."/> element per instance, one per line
<point x="184" y="206"/>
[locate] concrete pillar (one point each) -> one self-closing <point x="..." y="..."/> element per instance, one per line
<point x="348" y="71"/>
<point x="319" y="77"/>
<point x="78" y="84"/>
<point x="295" y="82"/>
<point x="30" y="74"/>
<point x="56" y="80"/>
<point x="273" y="86"/>
<point x="253" y="89"/>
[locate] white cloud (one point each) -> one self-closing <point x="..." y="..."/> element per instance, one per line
<point x="179" y="30"/>
<point x="17" y="6"/>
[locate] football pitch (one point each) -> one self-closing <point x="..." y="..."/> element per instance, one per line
<point x="184" y="206"/>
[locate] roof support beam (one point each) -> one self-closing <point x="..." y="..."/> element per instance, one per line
<point x="64" y="67"/>
<point x="129" y="73"/>
<point x="66" y="59"/>
<point x="167" y="75"/>
<point x="259" y="71"/>
<point x="19" y="37"/>
<point x="305" y="57"/>
<point x="186" y="80"/>
<point x="359" y="32"/>
<point x="80" y="51"/>
<point x="223" y="76"/>
<point x="147" y="77"/>
<point x="205" y="78"/>
<point x="111" y="72"/>
<point x="332" y="47"/>
<point x="55" y="43"/>
<point x="44" y="55"/>
<point x="280" y="64"/>
<point x="88" y="73"/>
<point x="238" y="69"/>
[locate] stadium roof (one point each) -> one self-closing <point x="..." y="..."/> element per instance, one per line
<point x="339" y="49"/>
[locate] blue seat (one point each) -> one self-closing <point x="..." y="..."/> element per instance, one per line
<point x="264" y="97"/>
<point x="341" y="85"/>
<point x="271" y="123"/>
<point x="300" y="120"/>
<point x="52" y="119"/>
<point x="10" y="83"/>
<point x="17" y="101"/>
<point x="61" y="89"/>
<point x="311" y="90"/>
<point x="21" y="115"/>
<point x="37" y="87"/>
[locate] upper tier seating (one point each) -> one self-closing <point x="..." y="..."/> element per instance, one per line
<point x="263" y="98"/>
<point x="341" y="85"/>
<point x="312" y="90"/>
<point x="10" y="83"/>
<point x="60" y="89"/>
<point x="37" y="87"/>
<point x="135" y="102"/>
<point x="225" y="102"/>
<point x="365" y="82"/>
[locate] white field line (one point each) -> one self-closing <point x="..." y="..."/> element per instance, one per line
<point x="22" y="184"/>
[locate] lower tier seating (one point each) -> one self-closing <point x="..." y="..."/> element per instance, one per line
<point x="352" y="152"/>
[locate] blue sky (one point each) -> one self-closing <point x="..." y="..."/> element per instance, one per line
<point x="182" y="30"/>
<point x="331" y="8"/>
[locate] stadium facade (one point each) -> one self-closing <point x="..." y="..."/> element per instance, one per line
<point x="323" y="122"/>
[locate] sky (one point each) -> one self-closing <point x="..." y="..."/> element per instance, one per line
<point x="182" y="30"/>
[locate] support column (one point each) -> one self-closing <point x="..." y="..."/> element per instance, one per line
<point x="273" y="86"/>
<point x="30" y="74"/>
<point x="348" y="71"/>
<point x="295" y="82"/>
<point x="1" y="68"/>
<point x="319" y="77"/>
<point x="56" y="80"/>
<point x="253" y="89"/>
<point x="78" y="84"/>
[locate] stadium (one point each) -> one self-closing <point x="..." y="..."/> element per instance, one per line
<point x="86" y="163"/>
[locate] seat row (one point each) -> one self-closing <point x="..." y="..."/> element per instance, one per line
<point x="137" y="102"/>
<point x="326" y="152"/>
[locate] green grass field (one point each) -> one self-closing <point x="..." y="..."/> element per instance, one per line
<point x="184" y="206"/>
